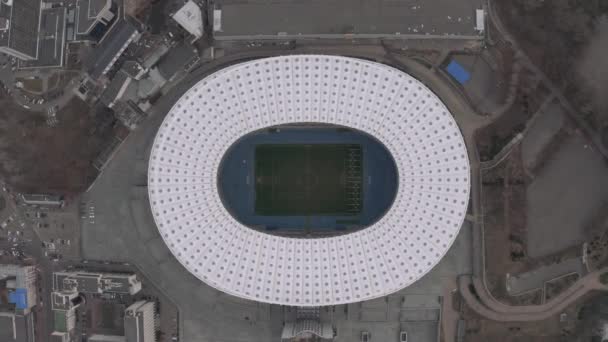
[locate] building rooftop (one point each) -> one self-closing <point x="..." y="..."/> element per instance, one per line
<point x="24" y="294"/>
<point x="177" y="59"/>
<point x="57" y="336"/>
<point x="190" y="18"/>
<point x="139" y="322"/>
<point x="60" y="321"/>
<point x="134" y="69"/>
<point x="293" y="330"/>
<point x="64" y="300"/>
<point x="51" y="39"/>
<point x="120" y="283"/>
<point x="458" y="72"/>
<point x="116" y="88"/>
<point x="115" y="42"/>
<point x="80" y="282"/>
<point x="106" y="338"/>
<point x="89" y="282"/>
<point x="89" y="12"/>
<point x="7" y="326"/>
<point x="21" y="21"/>
<point x="19" y="298"/>
<point x="42" y="199"/>
<point x="16" y="328"/>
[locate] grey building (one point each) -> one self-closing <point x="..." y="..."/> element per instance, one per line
<point x="16" y="328"/>
<point x="134" y="69"/>
<point x="60" y="337"/>
<point x="51" y="39"/>
<point x="64" y="306"/>
<point x="65" y="301"/>
<point x="113" y="45"/>
<point x="130" y="114"/>
<point x="116" y="89"/>
<point x="19" y="27"/>
<point x="64" y="321"/>
<point x="7" y="326"/>
<point x="90" y="13"/>
<point x="43" y="200"/>
<point x="182" y="57"/>
<point x="57" y="336"/>
<point x="89" y="282"/>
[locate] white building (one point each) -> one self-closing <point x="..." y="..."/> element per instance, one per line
<point x="91" y="282"/>
<point x="43" y="200"/>
<point x="140" y="322"/>
<point x="57" y="336"/>
<point x="106" y="338"/>
<point x="190" y="17"/>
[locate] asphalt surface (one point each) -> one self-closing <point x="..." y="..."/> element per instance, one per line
<point x="254" y="19"/>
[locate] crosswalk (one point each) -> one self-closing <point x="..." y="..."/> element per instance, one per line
<point x="51" y="117"/>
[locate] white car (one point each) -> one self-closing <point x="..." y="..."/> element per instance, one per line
<point x="403" y="336"/>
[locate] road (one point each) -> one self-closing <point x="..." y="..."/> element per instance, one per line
<point x="492" y="309"/>
<point x="61" y="101"/>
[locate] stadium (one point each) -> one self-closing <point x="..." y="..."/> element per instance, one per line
<point x="309" y="180"/>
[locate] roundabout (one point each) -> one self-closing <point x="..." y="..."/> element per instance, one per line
<point x="399" y="111"/>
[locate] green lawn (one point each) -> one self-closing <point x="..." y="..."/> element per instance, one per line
<point x="317" y="179"/>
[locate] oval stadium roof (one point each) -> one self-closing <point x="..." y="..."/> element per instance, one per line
<point x="402" y="113"/>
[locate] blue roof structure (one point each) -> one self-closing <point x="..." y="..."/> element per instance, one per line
<point x="19" y="298"/>
<point x="458" y="72"/>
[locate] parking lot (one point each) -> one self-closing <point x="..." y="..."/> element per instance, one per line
<point x="58" y="229"/>
<point x="335" y="18"/>
<point x="14" y="234"/>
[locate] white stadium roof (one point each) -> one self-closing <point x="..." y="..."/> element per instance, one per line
<point x="401" y="112"/>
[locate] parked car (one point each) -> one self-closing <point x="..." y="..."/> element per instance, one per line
<point x="366" y="336"/>
<point x="403" y="336"/>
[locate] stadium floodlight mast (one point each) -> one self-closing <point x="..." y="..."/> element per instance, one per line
<point x="398" y="110"/>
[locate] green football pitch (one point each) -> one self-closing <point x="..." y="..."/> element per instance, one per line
<point x="313" y="179"/>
